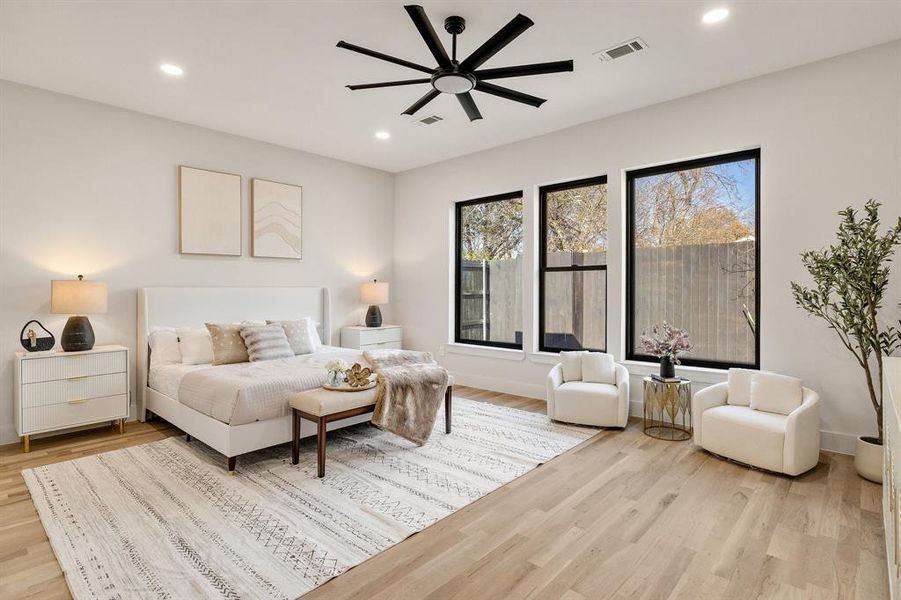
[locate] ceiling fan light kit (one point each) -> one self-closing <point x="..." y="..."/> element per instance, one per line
<point x="462" y="77"/>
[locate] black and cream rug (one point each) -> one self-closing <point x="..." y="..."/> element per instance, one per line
<point x="164" y="520"/>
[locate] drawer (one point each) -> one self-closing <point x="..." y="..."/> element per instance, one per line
<point x="73" y="365"/>
<point x="73" y="388"/>
<point x="378" y="336"/>
<point x="381" y="346"/>
<point x="79" y="412"/>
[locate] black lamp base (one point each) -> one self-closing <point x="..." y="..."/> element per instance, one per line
<point x="78" y="335"/>
<point x="374" y="316"/>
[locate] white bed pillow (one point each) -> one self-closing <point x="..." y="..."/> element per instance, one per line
<point x="195" y="345"/>
<point x="266" y="342"/>
<point x="315" y="340"/>
<point x="298" y="335"/>
<point x="775" y="393"/>
<point x="739" y="386"/>
<point x="572" y="365"/>
<point x="598" y="367"/>
<point x="163" y="342"/>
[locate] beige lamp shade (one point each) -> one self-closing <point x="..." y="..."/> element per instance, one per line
<point x="374" y="292"/>
<point x="77" y="297"/>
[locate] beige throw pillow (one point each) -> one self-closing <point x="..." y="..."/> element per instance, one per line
<point x="228" y="345"/>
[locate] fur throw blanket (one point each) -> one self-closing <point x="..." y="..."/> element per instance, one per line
<point x="411" y="387"/>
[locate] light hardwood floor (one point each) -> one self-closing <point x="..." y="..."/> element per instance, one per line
<point x="621" y="516"/>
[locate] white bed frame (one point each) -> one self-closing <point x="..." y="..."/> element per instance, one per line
<point x="194" y="306"/>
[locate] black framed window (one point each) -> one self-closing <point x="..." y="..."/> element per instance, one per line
<point x="693" y="256"/>
<point x="488" y="280"/>
<point x="572" y="285"/>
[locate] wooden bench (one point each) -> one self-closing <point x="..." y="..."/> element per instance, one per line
<point x="323" y="406"/>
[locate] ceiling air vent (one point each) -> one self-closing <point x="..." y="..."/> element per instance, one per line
<point x="431" y="120"/>
<point x="624" y="49"/>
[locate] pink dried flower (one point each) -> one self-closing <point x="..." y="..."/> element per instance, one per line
<point x="666" y="340"/>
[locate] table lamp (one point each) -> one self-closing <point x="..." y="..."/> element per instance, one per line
<point x="374" y="293"/>
<point x="77" y="297"/>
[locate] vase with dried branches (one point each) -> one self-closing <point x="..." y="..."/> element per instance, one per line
<point x="850" y="280"/>
<point x="666" y="343"/>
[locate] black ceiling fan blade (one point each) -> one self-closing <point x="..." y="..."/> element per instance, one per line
<point x="417" y="13"/>
<point x="369" y="86"/>
<point x="495" y="43"/>
<point x="385" y="57"/>
<point x="559" y="66"/>
<point x="508" y="94"/>
<point x="469" y="105"/>
<point x="421" y="102"/>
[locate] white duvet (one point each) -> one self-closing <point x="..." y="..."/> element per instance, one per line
<point x="242" y="393"/>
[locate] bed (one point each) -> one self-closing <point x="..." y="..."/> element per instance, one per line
<point x="236" y="408"/>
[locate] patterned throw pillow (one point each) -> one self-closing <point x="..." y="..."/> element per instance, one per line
<point x="228" y="345"/>
<point x="266" y="342"/>
<point x="298" y="334"/>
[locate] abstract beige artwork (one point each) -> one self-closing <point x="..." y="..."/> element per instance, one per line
<point x="209" y="207"/>
<point x="276" y="209"/>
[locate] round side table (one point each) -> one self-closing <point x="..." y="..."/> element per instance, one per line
<point x="667" y="409"/>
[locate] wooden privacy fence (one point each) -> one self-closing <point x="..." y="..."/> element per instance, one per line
<point x="701" y="288"/>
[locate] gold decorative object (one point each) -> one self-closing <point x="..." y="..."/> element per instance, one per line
<point x="667" y="409"/>
<point x="358" y="376"/>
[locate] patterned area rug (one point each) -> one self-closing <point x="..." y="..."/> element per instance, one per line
<point x="164" y="520"/>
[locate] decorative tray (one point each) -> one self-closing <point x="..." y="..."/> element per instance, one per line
<point x="347" y="388"/>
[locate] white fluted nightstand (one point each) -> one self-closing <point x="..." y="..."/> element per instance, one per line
<point x="56" y="390"/>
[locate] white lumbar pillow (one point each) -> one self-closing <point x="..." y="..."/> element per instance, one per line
<point x="739" y="386"/>
<point x="572" y="365"/>
<point x="775" y="393"/>
<point x="195" y="344"/>
<point x="163" y="342"/>
<point x="598" y="367"/>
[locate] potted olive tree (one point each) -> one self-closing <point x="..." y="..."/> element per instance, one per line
<point x="850" y="279"/>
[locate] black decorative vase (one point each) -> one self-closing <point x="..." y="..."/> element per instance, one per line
<point x="667" y="368"/>
<point x="374" y="316"/>
<point x="78" y="335"/>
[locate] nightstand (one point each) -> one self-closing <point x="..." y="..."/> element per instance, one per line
<point x="56" y="390"/>
<point x="371" y="338"/>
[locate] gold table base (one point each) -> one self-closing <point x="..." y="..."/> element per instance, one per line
<point x="667" y="409"/>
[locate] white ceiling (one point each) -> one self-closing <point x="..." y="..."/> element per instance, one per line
<point x="270" y="70"/>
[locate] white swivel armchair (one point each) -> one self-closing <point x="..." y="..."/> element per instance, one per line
<point x="761" y="419"/>
<point x="588" y="388"/>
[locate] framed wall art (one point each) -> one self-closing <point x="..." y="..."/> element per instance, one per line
<point x="277" y="219"/>
<point x="209" y="212"/>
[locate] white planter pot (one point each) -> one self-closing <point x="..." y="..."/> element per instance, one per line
<point x="868" y="460"/>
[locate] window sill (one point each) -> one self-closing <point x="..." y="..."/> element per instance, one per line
<point x="486" y="351"/>
<point x="699" y="374"/>
<point x="545" y="358"/>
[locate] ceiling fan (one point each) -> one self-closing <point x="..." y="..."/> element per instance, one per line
<point x="461" y="77"/>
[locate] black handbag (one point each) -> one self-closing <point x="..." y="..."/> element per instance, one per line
<point x="33" y="343"/>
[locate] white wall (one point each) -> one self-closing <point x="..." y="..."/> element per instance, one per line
<point x="829" y="138"/>
<point x="88" y="188"/>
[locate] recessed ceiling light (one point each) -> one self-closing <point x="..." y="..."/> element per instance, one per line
<point x="715" y="16"/>
<point x="170" y="69"/>
<point x="382" y="135"/>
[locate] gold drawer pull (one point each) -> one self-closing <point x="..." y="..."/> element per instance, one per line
<point x="79" y="401"/>
<point x="79" y="378"/>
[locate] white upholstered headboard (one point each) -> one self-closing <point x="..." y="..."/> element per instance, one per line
<point x="194" y="306"/>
